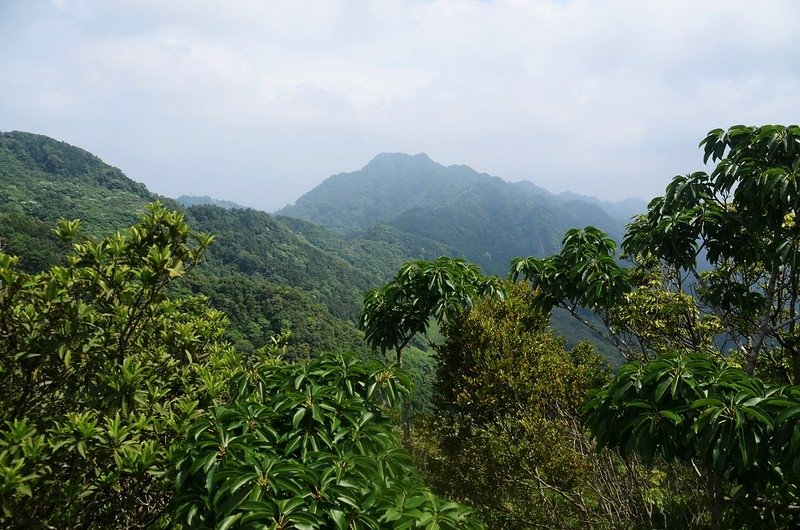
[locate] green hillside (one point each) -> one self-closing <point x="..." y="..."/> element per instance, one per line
<point x="490" y="223"/>
<point x="44" y="179"/>
<point x="262" y="273"/>
<point x="378" y="252"/>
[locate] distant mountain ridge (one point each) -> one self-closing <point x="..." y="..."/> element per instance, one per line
<point x="478" y="216"/>
<point x="394" y="182"/>
<point x="194" y="200"/>
<point x="624" y="209"/>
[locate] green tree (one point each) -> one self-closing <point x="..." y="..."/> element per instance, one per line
<point x="507" y="437"/>
<point x="101" y="373"/>
<point x="421" y="291"/>
<point x="724" y="246"/>
<point x="740" y="434"/>
<point x="714" y="277"/>
<point x="740" y="217"/>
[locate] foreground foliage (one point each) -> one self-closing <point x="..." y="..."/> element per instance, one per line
<point x="305" y="446"/>
<point x="714" y="276"/>
<point x="717" y="254"/>
<point x="421" y="292"/>
<point x="114" y="390"/>
<point x="743" y="434"/>
<point x="101" y="373"/>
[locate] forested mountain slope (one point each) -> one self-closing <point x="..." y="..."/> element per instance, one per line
<point x="390" y="184"/>
<point x="44" y="179"/>
<point x="490" y="223"/>
<point x="454" y="208"/>
<point x="378" y="252"/>
<point x="271" y="272"/>
<point x="265" y="275"/>
<point x="258" y="245"/>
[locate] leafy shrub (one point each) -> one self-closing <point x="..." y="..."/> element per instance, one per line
<point x="101" y="373"/>
<point x="305" y="446"/>
<point x="741" y="434"/>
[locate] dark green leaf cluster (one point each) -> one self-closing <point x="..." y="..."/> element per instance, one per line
<point x="422" y="290"/>
<point x="742" y="211"/>
<point x="738" y="222"/>
<point x="304" y="446"/>
<point x="741" y="219"/>
<point x="585" y="272"/>
<point x="694" y="408"/>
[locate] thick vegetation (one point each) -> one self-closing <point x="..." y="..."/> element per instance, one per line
<point x="260" y="246"/>
<point x="307" y="446"/>
<point x="101" y="373"/>
<point x="316" y="286"/>
<point x="125" y="407"/>
<point x="713" y="345"/>
<point x="699" y="338"/>
<point x="46" y="180"/>
<point x="116" y="392"/>
<point x="478" y="217"/>
<point x="508" y="422"/>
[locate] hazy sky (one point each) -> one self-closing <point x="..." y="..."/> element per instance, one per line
<point x="259" y="101"/>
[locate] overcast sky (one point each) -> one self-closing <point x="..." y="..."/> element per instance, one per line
<point x="259" y="101"/>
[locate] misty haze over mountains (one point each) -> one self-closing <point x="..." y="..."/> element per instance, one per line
<point x="412" y="180"/>
<point x="483" y="218"/>
<point x="407" y="181"/>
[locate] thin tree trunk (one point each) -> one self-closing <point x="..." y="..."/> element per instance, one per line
<point x="714" y="499"/>
<point x="792" y="324"/>
<point x="406" y="411"/>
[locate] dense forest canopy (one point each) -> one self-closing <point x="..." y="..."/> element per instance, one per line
<point x="157" y="376"/>
<point x="125" y="409"/>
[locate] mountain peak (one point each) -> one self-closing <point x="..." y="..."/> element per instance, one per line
<point x="384" y="159"/>
<point x="393" y="183"/>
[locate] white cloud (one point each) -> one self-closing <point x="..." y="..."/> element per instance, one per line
<point x="606" y="97"/>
